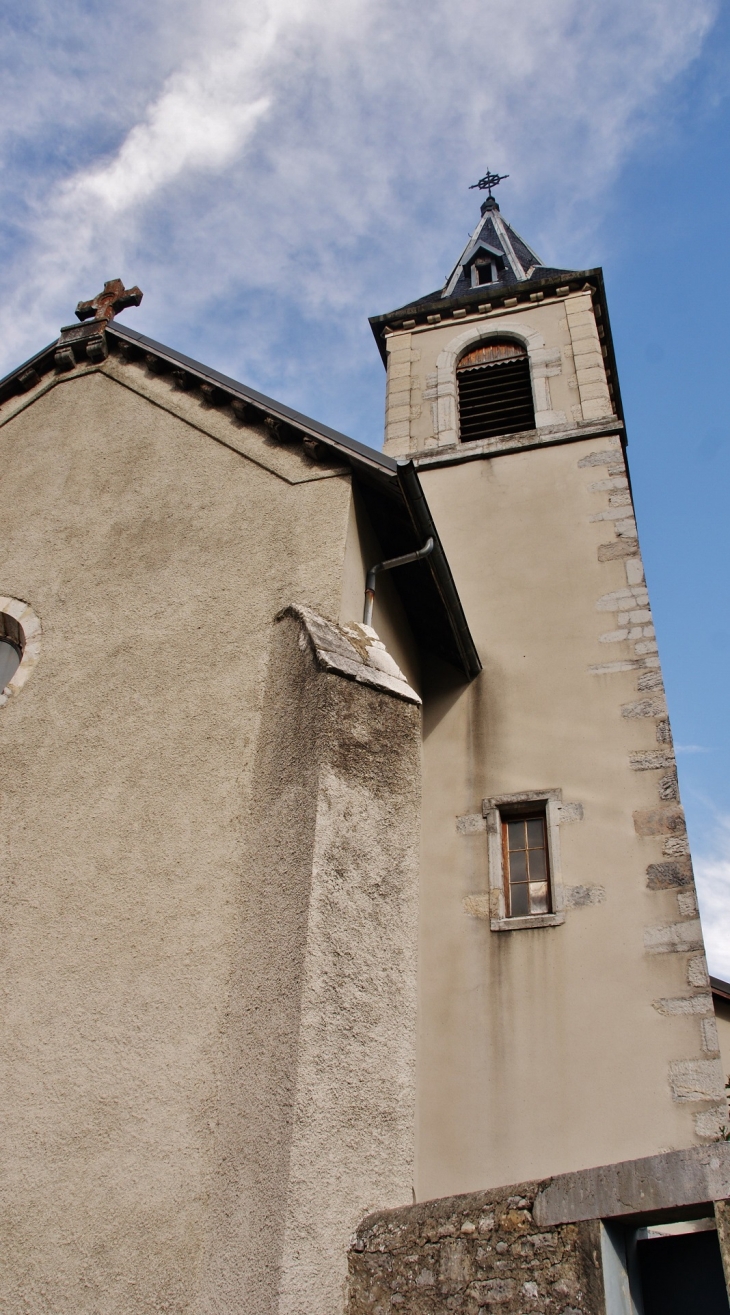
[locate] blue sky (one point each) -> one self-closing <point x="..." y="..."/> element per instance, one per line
<point x="273" y="172"/>
<point x="664" y="250"/>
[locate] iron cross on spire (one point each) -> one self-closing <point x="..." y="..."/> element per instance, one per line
<point x="489" y="181"/>
<point x="105" y="305"/>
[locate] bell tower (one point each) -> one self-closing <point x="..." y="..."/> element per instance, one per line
<point x="499" y="292"/>
<point x="566" y="1019"/>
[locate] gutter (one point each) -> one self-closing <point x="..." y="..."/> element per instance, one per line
<point x="720" y="989"/>
<point x="404" y="472"/>
<point x="425" y="528"/>
<point x="390" y="565"/>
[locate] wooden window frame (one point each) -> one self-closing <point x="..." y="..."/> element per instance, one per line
<point x="499" y="810"/>
<point x="536" y="813"/>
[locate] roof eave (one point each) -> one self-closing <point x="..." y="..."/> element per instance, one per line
<point x="358" y="456"/>
<point x="437" y="561"/>
<point x="720" y="988"/>
<point x="349" y="447"/>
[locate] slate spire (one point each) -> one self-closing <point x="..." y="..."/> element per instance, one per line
<point x="495" y="256"/>
<point x="495" y="265"/>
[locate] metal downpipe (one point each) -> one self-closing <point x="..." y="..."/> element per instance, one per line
<point x="367" y="616"/>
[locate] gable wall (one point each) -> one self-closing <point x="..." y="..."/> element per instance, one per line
<point x="156" y="560"/>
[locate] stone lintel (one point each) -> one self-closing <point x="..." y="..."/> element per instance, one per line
<point x="688" y="1178"/>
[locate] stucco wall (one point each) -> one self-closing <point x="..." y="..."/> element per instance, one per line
<point x="156" y="559"/>
<point x="556" y="1048"/>
<point x="318" y="1088"/>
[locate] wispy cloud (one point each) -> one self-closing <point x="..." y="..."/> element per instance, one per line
<point x="712" y="871"/>
<point x="289" y="161"/>
<point x="691" y="748"/>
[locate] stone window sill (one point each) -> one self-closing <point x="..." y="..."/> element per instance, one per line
<point x="526" y="924"/>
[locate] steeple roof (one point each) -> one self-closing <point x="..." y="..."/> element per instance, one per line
<point x="494" y="258"/>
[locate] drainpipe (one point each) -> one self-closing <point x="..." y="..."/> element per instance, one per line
<point x="367" y="616"/>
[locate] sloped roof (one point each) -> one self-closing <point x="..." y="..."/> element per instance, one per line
<point x="390" y="489"/>
<point x="517" y="261"/>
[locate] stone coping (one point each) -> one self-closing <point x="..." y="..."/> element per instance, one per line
<point x="659" y="1182"/>
<point x="353" y="651"/>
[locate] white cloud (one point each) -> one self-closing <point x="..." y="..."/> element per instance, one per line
<point x="712" y="872"/>
<point x="200" y="120"/>
<point x="323" y="151"/>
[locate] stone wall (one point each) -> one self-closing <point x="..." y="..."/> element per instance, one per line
<point x="474" y="1254"/>
<point x="530" y="1247"/>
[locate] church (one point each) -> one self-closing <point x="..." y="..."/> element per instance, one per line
<point x="351" y="957"/>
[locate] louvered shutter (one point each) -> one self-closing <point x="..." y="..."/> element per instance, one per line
<point x="495" y="393"/>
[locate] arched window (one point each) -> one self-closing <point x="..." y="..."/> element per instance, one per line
<point x="12" y="643"/>
<point x="20" y="634"/>
<point x="495" y="393"/>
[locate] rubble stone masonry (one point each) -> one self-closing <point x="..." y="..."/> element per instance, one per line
<point x="532" y="1247"/>
<point x="474" y="1254"/>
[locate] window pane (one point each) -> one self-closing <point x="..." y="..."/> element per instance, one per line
<point x="538" y="869"/>
<point x="518" y="900"/>
<point x="538" y="897"/>
<point x="535" y="833"/>
<point x="9" y="661"/>
<point x="516" y="834"/>
<point x="518" y="865"/>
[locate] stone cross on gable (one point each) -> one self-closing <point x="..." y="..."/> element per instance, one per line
<point x="105" y="305"/>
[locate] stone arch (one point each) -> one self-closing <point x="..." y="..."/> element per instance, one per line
<point x="447" y="413"/>
<point x="19" y="623"/>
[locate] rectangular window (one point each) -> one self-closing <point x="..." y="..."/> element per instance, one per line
<point x="523" y="849"/>
<point x="526" y="870"/>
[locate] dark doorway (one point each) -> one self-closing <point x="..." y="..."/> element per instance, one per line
<point x="682" y="1275"/>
